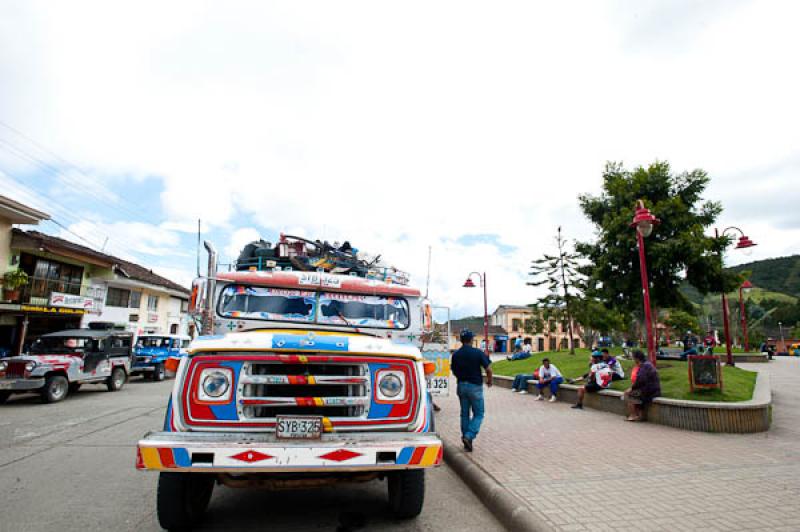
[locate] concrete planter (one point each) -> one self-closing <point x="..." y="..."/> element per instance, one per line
<point x="704" y="416"/>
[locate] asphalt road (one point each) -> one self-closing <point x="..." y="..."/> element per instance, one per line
<point x="70" y="466"/>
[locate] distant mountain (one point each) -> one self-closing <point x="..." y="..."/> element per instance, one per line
<point x="776" y="279"/>
<point x="775" y="275"/>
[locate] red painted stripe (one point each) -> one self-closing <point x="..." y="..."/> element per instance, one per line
<point x="439" y="455"/>
<point x="417" y="456"/>
<point x="166" y="457"/>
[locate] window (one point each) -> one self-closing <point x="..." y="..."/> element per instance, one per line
<point x="184" y="305"/>
<point x="185" y="343"/>
<point x="119" y="342"/>
<point x="152" y="303"/>
<point x="261" y="303"/>
<point x="117" y="297"/>
<point x="356" y="310"/>
<point x="173" y="329"/>
<point x="48" y="276"/>
<point x="133" y="317"/>
<point x="516" y="324"/>
<point x="136" y="299"/>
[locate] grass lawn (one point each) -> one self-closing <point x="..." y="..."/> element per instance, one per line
<point x="737" y="383"/>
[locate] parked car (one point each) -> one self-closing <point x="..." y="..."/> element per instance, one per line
<point x="59" y="363"/>
<point x="152" y="351"/>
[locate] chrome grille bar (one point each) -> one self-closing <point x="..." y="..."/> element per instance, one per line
<point x="304" y="379"/>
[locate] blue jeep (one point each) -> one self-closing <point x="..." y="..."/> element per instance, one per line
<point x="152" y="351"/>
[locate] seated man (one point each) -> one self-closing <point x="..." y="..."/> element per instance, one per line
<point x="598" y="378"/>
<point x="520" y="384"/>
<point x="523" y="354"/>
<point x="617" y="373"/>
<point x="549" y="376"/>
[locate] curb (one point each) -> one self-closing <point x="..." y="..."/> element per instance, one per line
<point x="512" y="512"/>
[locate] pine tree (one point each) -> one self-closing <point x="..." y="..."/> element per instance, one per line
<point x="560" y="274"/>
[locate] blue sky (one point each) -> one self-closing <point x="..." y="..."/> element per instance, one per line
<point x="398" y="127"/>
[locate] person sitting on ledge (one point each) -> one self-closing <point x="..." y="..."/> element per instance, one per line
<point x="520" y="384"/>
<point x="598" y="378"/>
<point x="549" y="376"/>
<point x="617" y="373"/>
<point x="645" y="387"/>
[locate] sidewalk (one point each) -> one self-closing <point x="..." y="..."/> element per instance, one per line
<point x="572" y="466"/>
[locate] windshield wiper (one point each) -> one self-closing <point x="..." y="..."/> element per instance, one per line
<point x="347" y="322"/>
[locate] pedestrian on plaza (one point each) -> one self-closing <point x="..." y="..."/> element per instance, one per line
<point x="518" y="344"/>
<point x="710" y="343"/>
<point x="466" y="365"/>
<point x="598" y="378"/>
<point x="617" y="372"/>
<point x="549" y="376"/>
<point x="645" y="387"/>
<point x="689" y="344"/>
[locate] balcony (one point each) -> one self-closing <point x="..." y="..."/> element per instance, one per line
<point x="38" y="290"/>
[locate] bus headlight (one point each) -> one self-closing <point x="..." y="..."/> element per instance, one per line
<point x="391" y="386"/>
<point x="215" y="385"/>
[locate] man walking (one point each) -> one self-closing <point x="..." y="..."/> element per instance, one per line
<point x="466" y="366"/>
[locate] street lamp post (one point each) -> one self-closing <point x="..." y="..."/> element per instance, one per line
<point x="783" y="342"/>
<point x="743" y="243"/>
<point x="482" y="281"/>
<point x="745" y="287"/>
<point x="643" y="221"/>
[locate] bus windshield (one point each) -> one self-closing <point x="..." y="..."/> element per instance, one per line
<point x="154" y="341"/>
<point x="356" y="310"/>
<point x="262" y="303"/>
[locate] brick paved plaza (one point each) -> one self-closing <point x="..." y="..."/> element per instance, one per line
<point x="572" y="466"/>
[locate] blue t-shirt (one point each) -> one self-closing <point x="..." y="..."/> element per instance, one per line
<point x="467" y="363"/>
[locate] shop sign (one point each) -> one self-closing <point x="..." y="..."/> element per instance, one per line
<point x="59" y="299"/>
<point x="52" y="310"/>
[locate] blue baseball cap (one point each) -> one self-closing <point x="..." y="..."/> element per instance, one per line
<point x="466" y="335"/>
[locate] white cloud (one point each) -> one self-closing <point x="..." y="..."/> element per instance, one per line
<point x="367" y="121"/>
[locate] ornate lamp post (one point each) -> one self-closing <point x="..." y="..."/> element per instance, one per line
<point x="783" y="342"/>
<point x="644" y="221"/>
<point x="482" y="282"/>
<point x="745" y="287"/>
<point x="743" y="243"/>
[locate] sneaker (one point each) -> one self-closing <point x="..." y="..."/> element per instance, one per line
<point x="578" y="406"/>
<point x="521" y="392"/>
<point x="467" y="444"/>
<point x="553" y="398"/>
<point x="540" y="397"/>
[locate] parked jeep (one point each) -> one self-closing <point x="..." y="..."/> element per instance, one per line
<point x="59" y="363"/>
<point x="152" y="351"/>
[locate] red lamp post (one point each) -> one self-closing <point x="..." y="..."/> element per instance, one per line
<point x="643" y="221"/>
<point x="482" y="281"/>
<point x="743" y="243"/>
<point x="745" y="287"/>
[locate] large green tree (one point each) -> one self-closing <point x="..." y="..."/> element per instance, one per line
<point x="681" y="246"/>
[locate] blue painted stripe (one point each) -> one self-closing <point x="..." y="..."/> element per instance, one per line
<point x="181" y="457"/>
<point x="168" y="417"/>
<point x="405" y="455"/>
<point x="310" y="341"/>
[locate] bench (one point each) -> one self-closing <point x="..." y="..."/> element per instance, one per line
<point x="750" y="416"/>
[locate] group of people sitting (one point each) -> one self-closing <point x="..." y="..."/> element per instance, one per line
<point x="603" y="370"/>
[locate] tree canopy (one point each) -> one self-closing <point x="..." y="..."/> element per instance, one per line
<point x="678" y="247"/>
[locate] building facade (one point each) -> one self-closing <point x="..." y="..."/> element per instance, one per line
<point x="70" y="286"/>
<point x="522" y="321"/>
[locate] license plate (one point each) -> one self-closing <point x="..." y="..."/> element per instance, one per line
<point x="298" y="427"/>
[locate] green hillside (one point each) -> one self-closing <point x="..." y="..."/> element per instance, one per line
<point x="773" y="279"/>
<point x="775" y="275"/>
